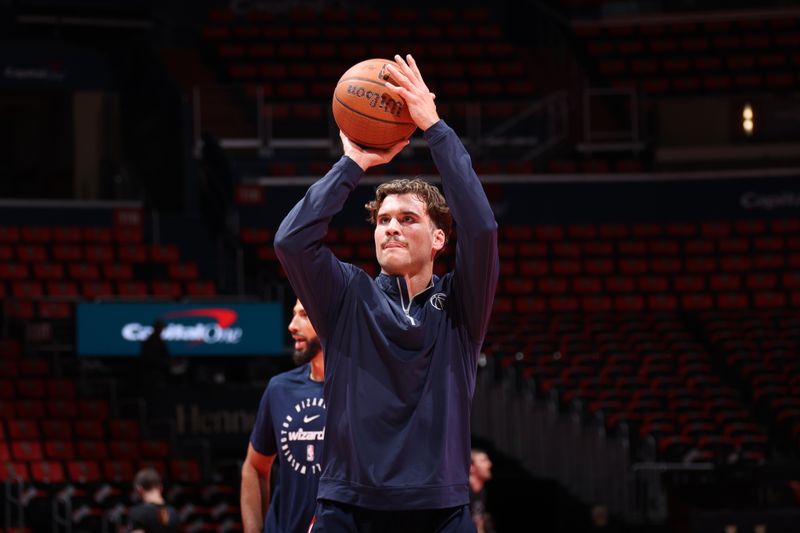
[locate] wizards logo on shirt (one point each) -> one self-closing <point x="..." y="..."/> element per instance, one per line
<point x="302" y="434"/>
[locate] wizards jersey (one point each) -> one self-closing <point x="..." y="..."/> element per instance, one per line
<point x="291" y="424"/>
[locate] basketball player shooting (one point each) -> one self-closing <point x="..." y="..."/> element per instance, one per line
<point x="401" y="350"/>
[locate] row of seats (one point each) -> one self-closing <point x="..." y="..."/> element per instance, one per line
<point x="653" y="302"/>
<point x="12" y="365"/>
<point x="93" y="448"/>
<point x="183" y="281"/>
<point x="52" y="408"/>
<point x="92" y="253"/>
<point x="59" y="449"/>
<point x="26" y="309"/>
<point x="714" y="54"/>
<point x="652" y="248"/>
<point x="89" y="426"/>
<point x="713" y="229"/>
<point x="71" y="234"/>
<point x="304" y="58"/>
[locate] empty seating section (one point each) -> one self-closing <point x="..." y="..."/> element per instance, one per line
<point x="43" y="269"/>
<point x="300" y="55"/>
<point x="293" y="60"/>
<point x="655" y="267"/>
<point x="759" y="351"/>
<point x="695" y="54"/>
<point x="644" y="374"/>
<point x="641" y="324"/>
<point x="53" y="438"/>
<point x="60" y="444"/>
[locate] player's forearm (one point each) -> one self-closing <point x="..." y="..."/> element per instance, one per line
<point x="254" y="501"/>
<point x="307" y="222"/>
<point x="462" y="187"/>
<point x="477" y="264"/>
<point x="315" y="274"/>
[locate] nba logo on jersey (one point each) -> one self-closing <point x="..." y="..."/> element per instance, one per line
<point x="309" y="452"/>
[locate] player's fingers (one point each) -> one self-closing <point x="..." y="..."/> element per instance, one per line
<point x="400" y="77"/>
<point x="347" y="144"/>
<point x="402" y="91"/>
<point x="407" y="71"/>
<point x="401" y="63"/>
<point x="412" y="64"/>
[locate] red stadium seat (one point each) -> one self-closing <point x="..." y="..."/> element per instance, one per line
<point x="154" y="449"/>
<point x="96" y="234"/>
<point x="83" y="471"/>
<point x="185" y="471"/>
<point x="89" y="429"/>
<point x="121" y="429"/>
<point x="23" y="429"/>
<point x="118" y="471"/>
<point x="30" y="410"/>
<point x="91" y="450"/>
<point x="59" y="450"/>
<point x="60" y="430"/>
<point x="94" y="410"/>
<point x="200" y="288"/>
<point x="14" y="470"/>
<point x="125" y="450"/>
<point x="28" y="451"/>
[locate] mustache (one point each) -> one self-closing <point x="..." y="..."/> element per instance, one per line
<point x="391" y="240"/>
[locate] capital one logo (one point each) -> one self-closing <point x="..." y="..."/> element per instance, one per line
<point x="218" y="330"/>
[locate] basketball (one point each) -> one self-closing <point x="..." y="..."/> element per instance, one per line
<point x="366" y="111"/>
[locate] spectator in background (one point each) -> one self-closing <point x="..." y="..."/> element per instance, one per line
<point x="480" y="471"/>
<point x="290" y="418"/>
<point x="153" y="514"/>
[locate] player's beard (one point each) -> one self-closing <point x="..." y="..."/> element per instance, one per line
<point x="301" y="357"/>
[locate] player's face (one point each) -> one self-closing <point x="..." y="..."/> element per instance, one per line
<point x="306" y="342"/>
<point x="405" y="238"/>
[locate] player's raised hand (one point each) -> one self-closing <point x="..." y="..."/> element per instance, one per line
<point x="412" y="88"/>
<point x="366" y="158"/>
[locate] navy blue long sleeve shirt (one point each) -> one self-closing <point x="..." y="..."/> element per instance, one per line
<point x="398" y="385"/>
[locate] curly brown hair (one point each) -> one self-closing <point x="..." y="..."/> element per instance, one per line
<point x="434" y="201"/>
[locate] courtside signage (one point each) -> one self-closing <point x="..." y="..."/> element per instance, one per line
<point x="190" y="329"/>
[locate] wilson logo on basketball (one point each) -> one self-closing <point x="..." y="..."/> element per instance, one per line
<point x="381" y="101"/>
<point x="366" y="111"/>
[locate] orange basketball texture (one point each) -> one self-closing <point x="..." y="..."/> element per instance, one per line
<point x="366" y="111"/>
